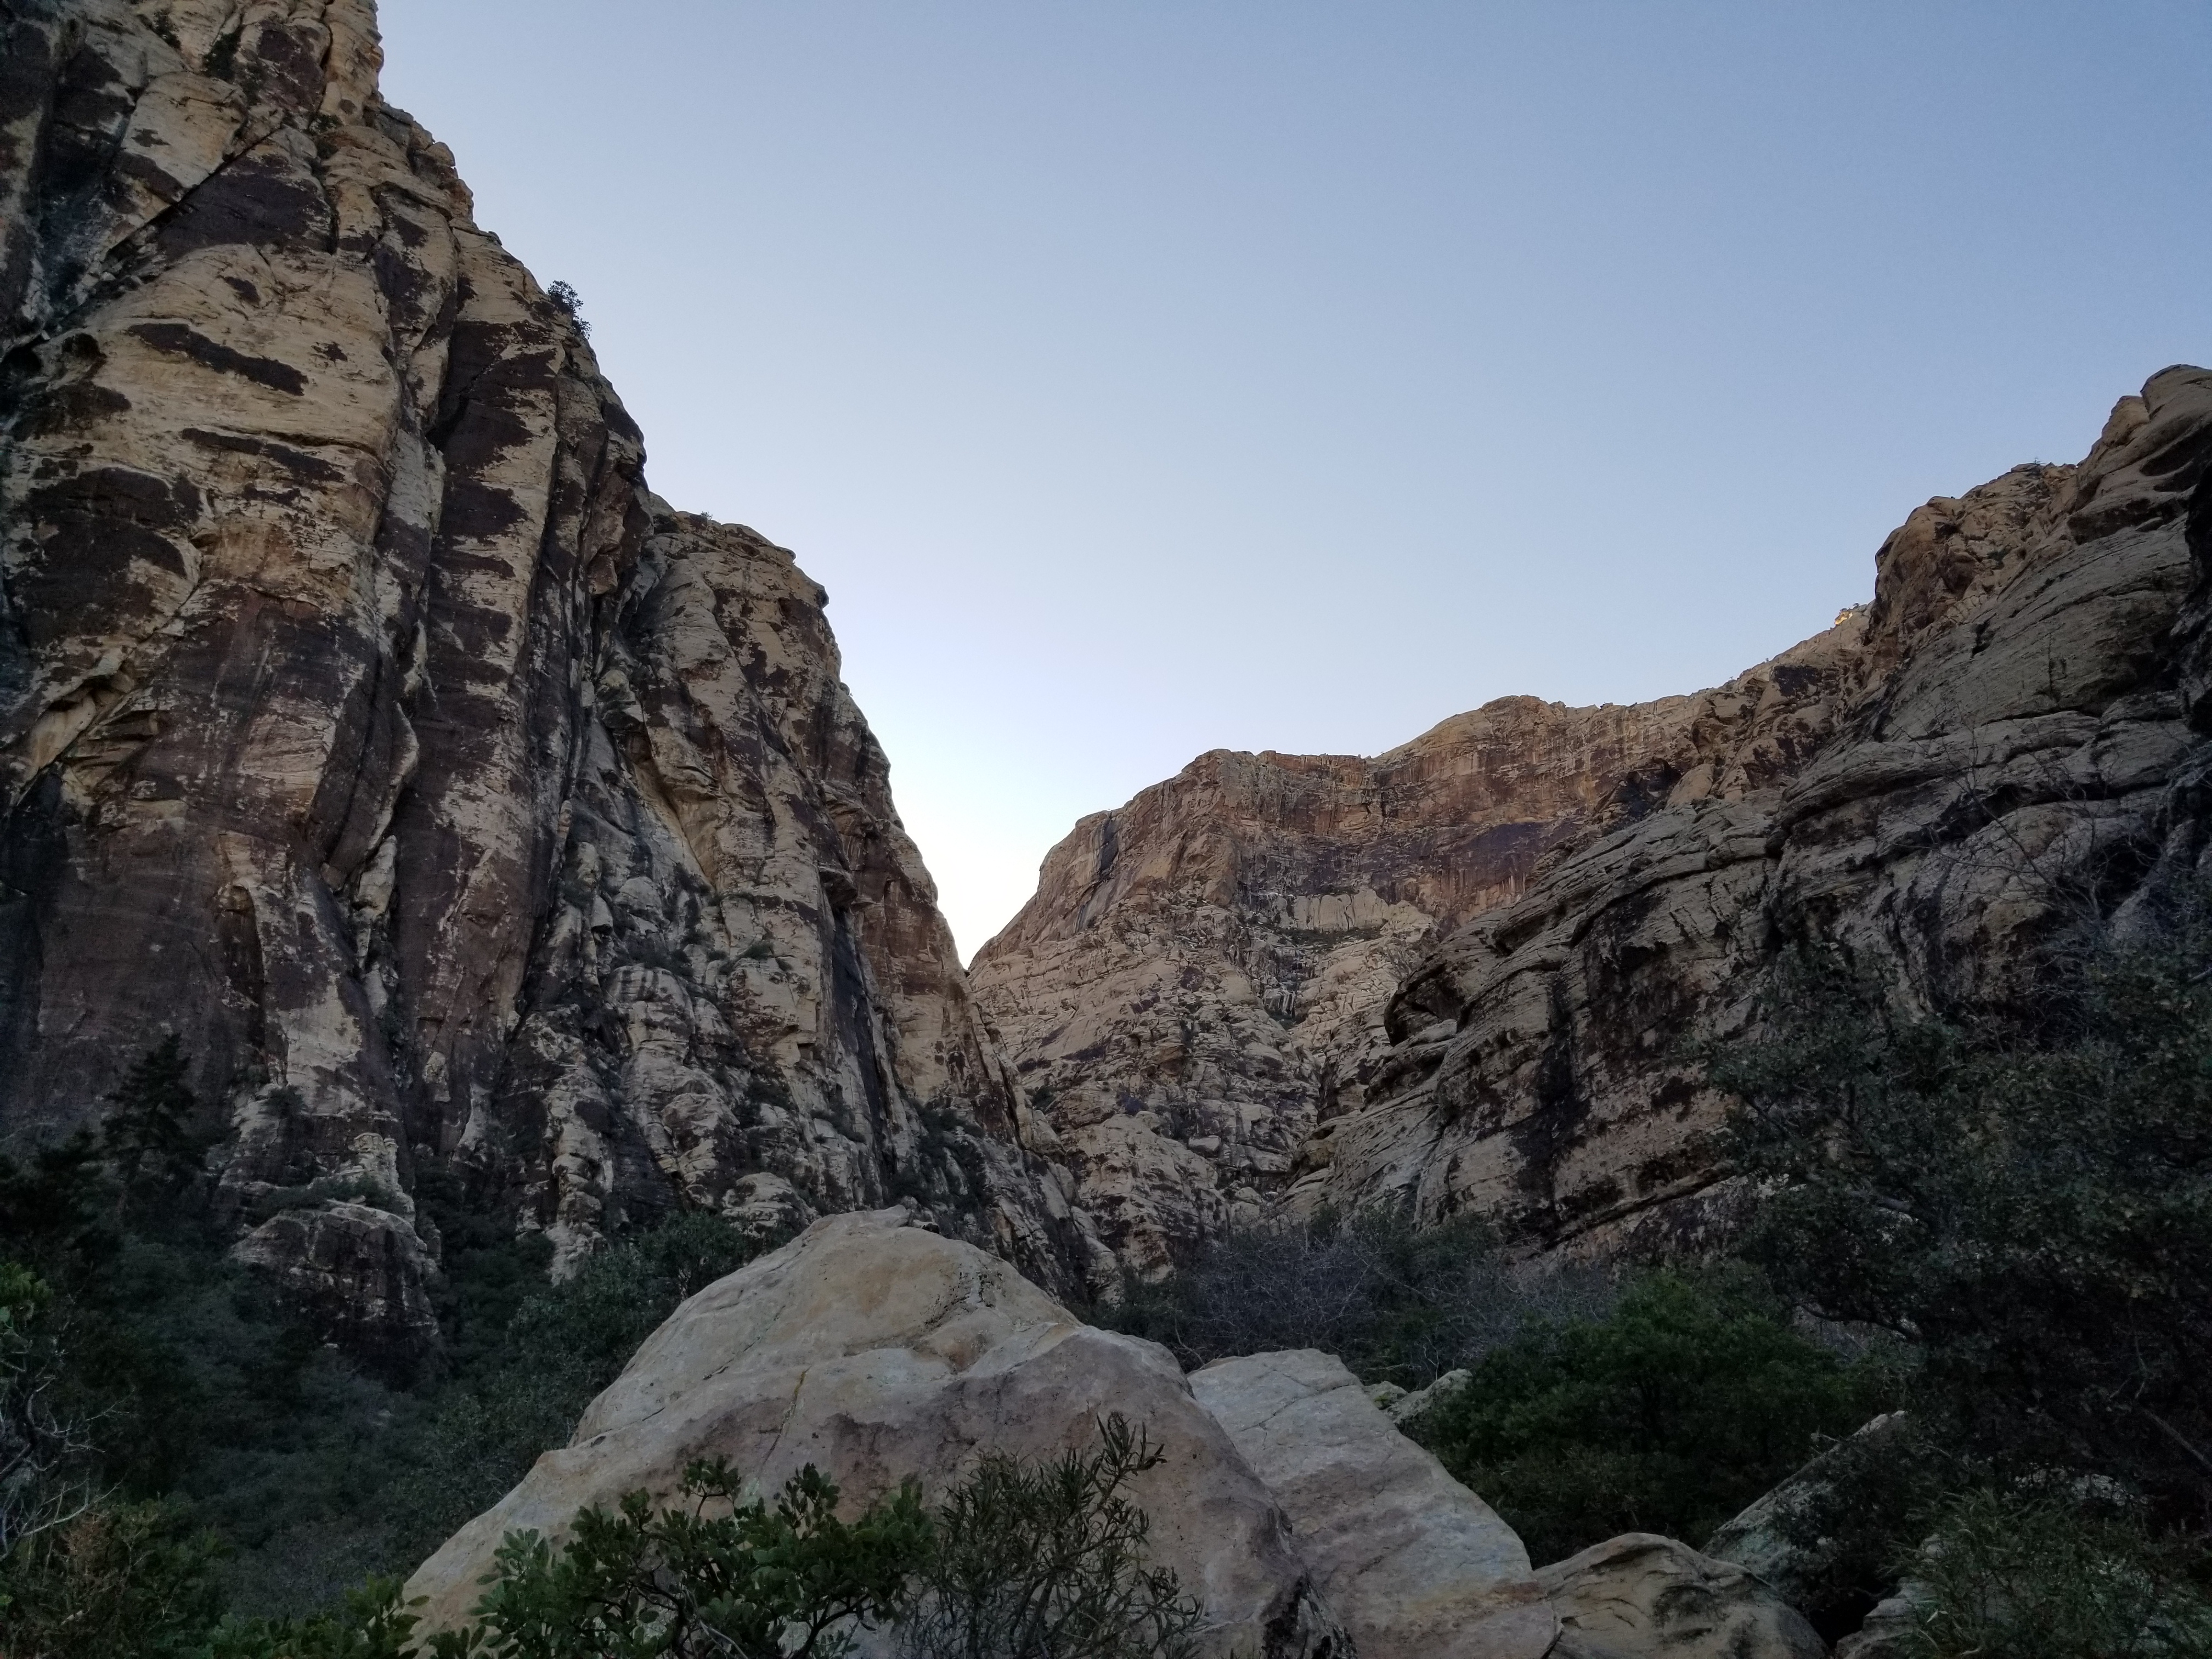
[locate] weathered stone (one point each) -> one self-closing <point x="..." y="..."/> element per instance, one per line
<point x="1414" y="1564"/>
<point x="1895" y="1629"/>
<point x="1187" y="994"/>
<point x="358" y="1270"/>
<point x="1407" y="1407"/>
<point x="1641" y="1596"/>
<point x="366" y="721"/>
<point x="875" y="1350"/>
<point x="1462" y="977"/>
<point x="1757" y="1538"/>
<point x="2007" y="737"/>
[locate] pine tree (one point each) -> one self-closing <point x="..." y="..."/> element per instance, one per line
<point x="149" y="1138"/>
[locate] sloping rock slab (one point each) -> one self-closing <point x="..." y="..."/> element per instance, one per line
<point x="1642" y="1596"/>
<point x="1415" y="1565"/>
<point x="877" y="1349"/>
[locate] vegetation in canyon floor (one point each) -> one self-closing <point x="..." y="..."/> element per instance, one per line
<point x="2000" y="1227"/>
<point x="1999" y="1224"/>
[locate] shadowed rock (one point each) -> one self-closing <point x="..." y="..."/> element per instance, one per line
<point x="365" y="720"/>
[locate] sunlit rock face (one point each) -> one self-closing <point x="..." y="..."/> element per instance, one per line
<point x="365" y="720"/>
<point x="1195" y="993"/>
<point x="1463" y="975"/>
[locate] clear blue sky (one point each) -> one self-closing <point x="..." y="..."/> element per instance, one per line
<point x="1148" y="376"/>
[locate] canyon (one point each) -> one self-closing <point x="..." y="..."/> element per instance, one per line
<point x="497" y="838"/>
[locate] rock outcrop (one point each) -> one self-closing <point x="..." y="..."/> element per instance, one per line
<point x="877" y="1351"/>
<point x="1642" y="1596"/>
<point x="1414" y="1564"/>
<point x="1188" y="990"/>
<point x="365" y="720"/>
<point x="2015" y="744"/>
<point x="1298" y="1518"/>
<point x="1463" y="976"/>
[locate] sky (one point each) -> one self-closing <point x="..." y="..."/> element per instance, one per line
<point x="1144" y="377"/>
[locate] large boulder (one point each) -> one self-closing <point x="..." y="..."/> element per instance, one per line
<point x="1760" y="1538"/>
<point x="1642" y="1596"/>
<point x="875" y="1350"/>
<point x="1415" y="1565"/>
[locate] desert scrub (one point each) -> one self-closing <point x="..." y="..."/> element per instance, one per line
<point x="2043" y="1576"/>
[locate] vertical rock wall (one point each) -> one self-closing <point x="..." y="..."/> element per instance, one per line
<point x="364" y="720"/>
<point x="2019" y="751"/>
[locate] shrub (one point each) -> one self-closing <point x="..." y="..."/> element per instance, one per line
<point x="1033" y="1560"/>
<point x="1690" y="1398"/>
<point x="1397" y="1302"/>
<point x="2029" y="1206"/>
<point x="1024" y="1560"/>
<point x="520" y="1395"/>
<point x="124" y="1581"/>
<point x="2014" y="1576"/>
<point x="757" y="1583"/>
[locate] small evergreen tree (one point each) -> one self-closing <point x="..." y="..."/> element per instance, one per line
<point x="1690" y="1398"/>
<point x="149" y="1137"/>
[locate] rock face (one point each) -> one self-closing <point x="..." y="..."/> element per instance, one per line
<point x="2014" y="742"/>
<point x="1414" y="1564"/>
<point x="1759" y="1538"/>
<point x="365" y="719"/>
<point x="1642" y="1596"/>
<point x="1458" y="977"/>
<point x="875" y="1350"/>
<point x="1188" y="991"/>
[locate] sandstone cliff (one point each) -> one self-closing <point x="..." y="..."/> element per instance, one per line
<point x="2018" y="749"/>
<point x="1197" y="987"/>
<point x="365" y="720"/>
<point x="1206" y="990"/>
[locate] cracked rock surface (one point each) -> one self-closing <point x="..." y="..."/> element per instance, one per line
<point x="366" y="720"/>
<point x="1415" y="1565"/>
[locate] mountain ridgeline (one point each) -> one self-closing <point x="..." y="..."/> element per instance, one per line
<point x="1478" y="975"/>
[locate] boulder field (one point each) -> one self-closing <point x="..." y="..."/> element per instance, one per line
<point x="1303" y="1522"/>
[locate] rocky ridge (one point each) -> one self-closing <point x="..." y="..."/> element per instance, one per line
<point x="2015" y="749"/>
<point x="1461" y="975"/>
<point x="472" y="814"/>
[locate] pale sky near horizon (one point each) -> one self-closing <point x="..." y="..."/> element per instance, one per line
<point x="1143" y="377"/>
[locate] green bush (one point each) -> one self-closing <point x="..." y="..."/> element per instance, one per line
<point x="1048" y="1559"/>
<point x="201" y="1390"/>
<point x="124" y="1580"/>
<point x="1668" y="1414"/>
<point x="2012" y="1576"/>
<point x="2028" y="1205"/>
<point x="755" y="1582"/>
<point x="519" y="1393"/>
<point x="1023" y="1561"/>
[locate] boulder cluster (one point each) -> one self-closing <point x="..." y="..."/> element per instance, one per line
<point x="1304" y="1521"/>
